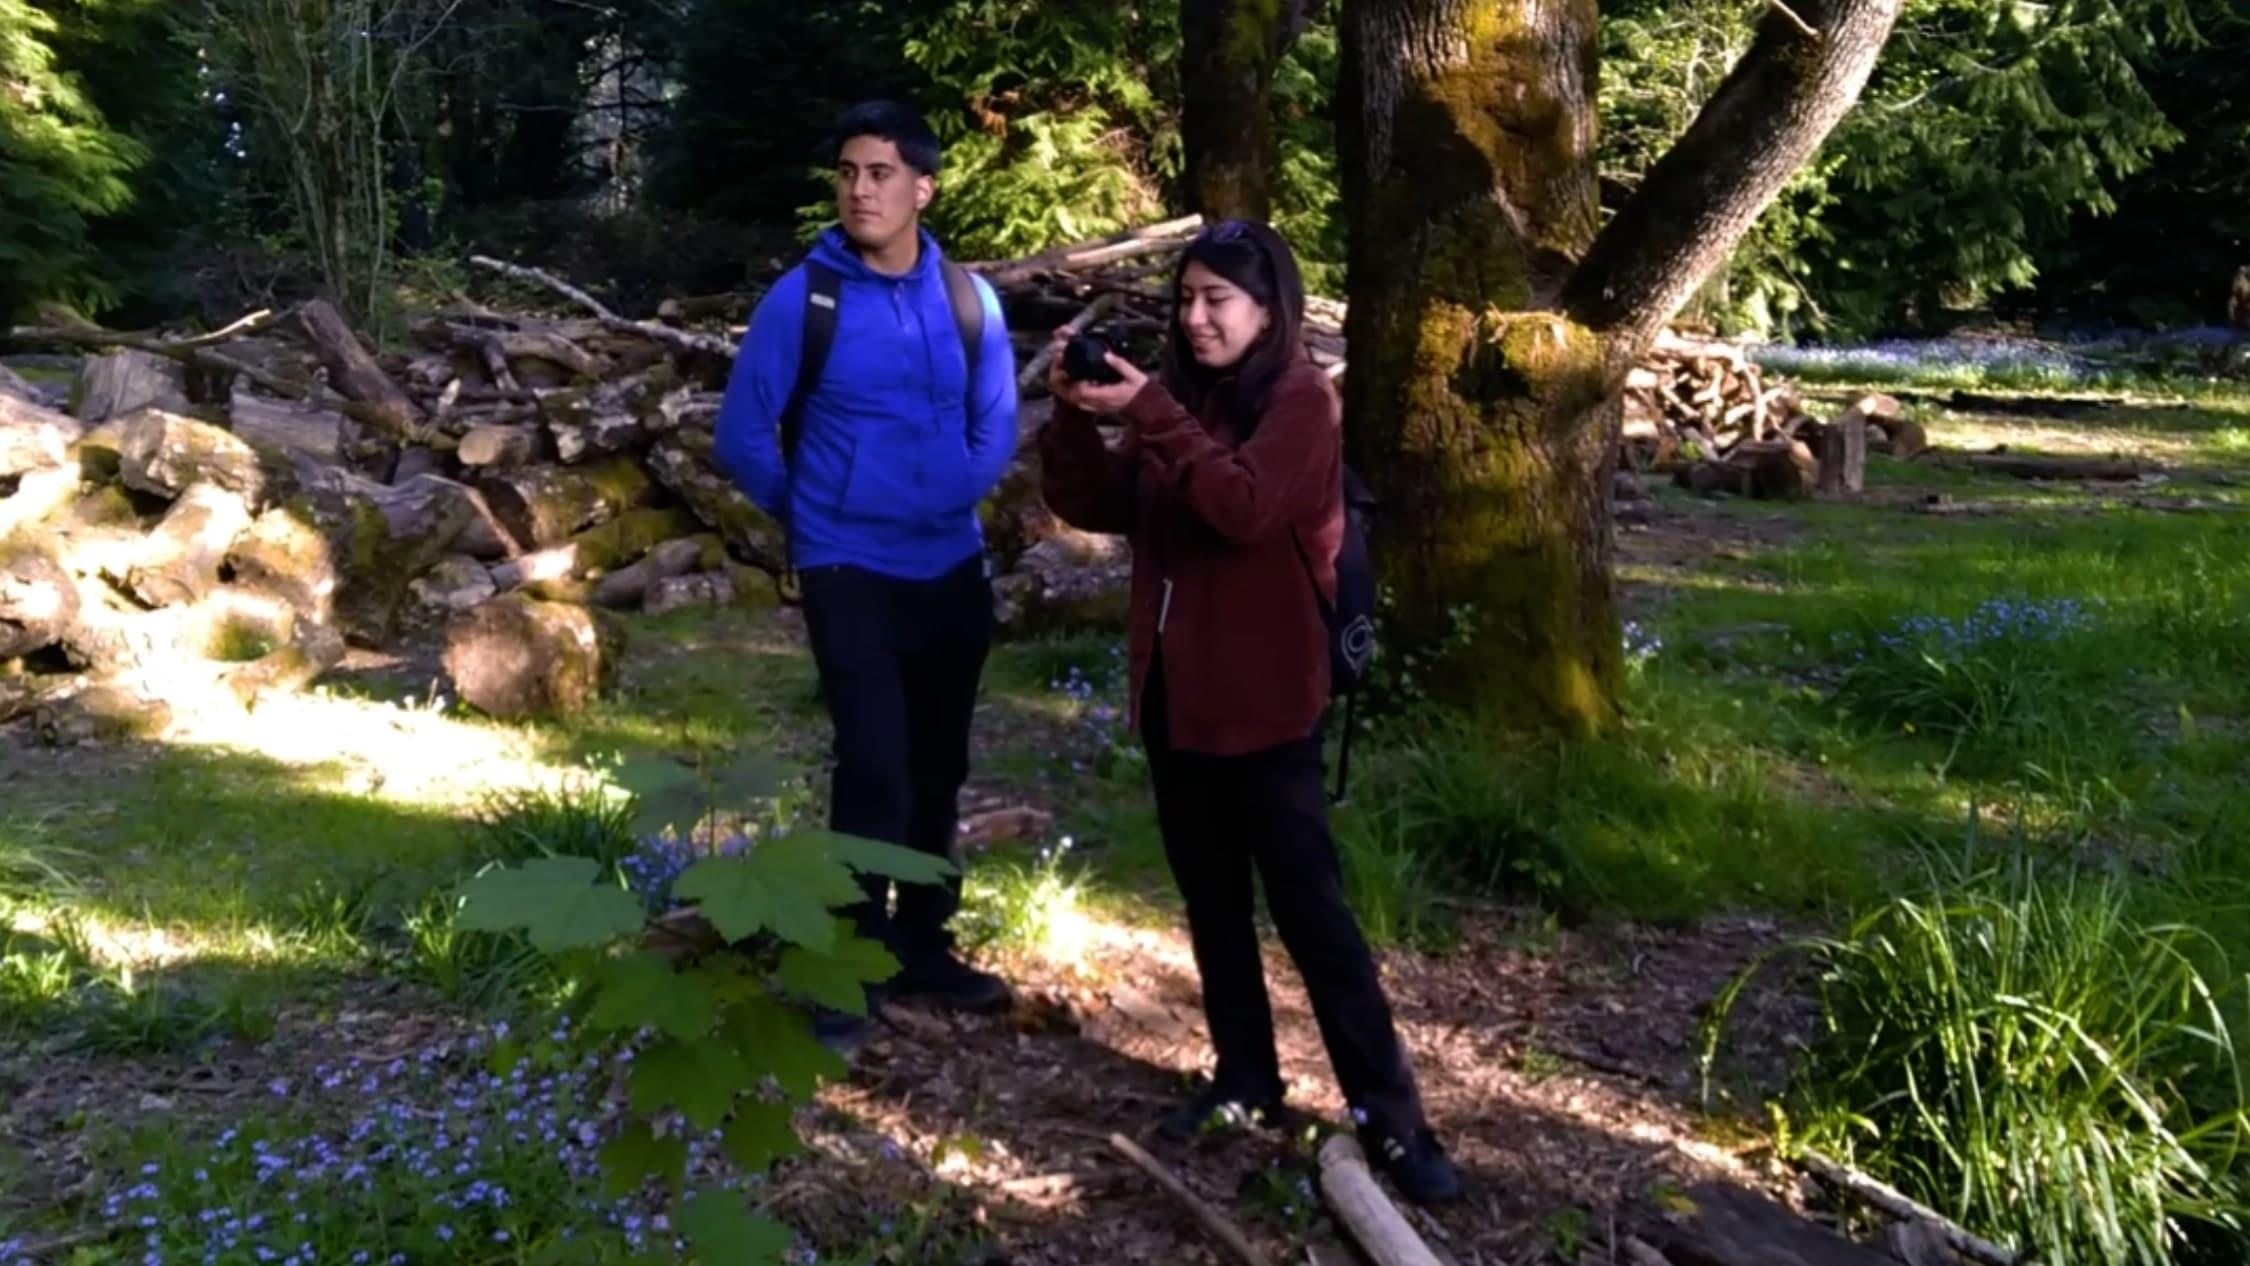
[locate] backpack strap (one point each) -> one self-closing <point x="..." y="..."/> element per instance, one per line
<point x="823" y="286"/>
<point x="968" y="313"/>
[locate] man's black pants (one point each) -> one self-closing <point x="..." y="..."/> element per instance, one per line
<point x="899" y="663"/>
<point x="1222" y="815"/>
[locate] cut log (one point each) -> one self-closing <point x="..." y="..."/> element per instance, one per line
<point x="32" y="436"/>
<point x="516" y="657"/>
<point x="354" y="373"/>
<point x="699" y="589"/>
<point x="597" y="550"/>
<point x="128" y="381"/>
<point x="1070" y="582"/>
<point x="499" y="447"/>
<point x="679" y="339"/>
<point x="165" y="454"/>
<point x="1881" y="1196"/>
<point x="285" y="554"/>
<point x="101" y="712"/>
<point x="187" y="547"/>
<point x="682" y="463"/>
<point x="431" y="508"/>
<point x="287" y="426"/>
<point x="629" y="586"/>
<point x="286" y="669"/>
<point x="41" y="496"/>
<point x="547" y="505"/>
<point x="415" y="461"/>
<point x="1843" y="455"/>
<point x="457" y="583"/>
<point x="1909" y="438"/>
<point x="14" y="386"/>
<point x="1716" y="1225"/>
<point x="38" y="602"/>
<point x="1710" y="478"/>
<point x="2098" y="469"/>
<point x="1381" y="1231"/>
<point x="1776" y="470"/>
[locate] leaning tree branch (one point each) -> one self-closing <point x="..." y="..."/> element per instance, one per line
<point x="1802" y="74"/>
<point x="681" y="339"/>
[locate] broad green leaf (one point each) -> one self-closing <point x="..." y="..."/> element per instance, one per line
<point x="726" y="1233"/>
<point x="642" y="988"/>
<point x="838" y="978"/>
<point x="805" y="885"/>
<point x="666" y="794"/>
<point x="701" y="1078"/>
<point x="555" y="900"/>
<point x="760" y="1134"/>
<point x="637" y="1155"/>
<point x="778" y="1040"/>
<point x="730" y="892"/>
<point x="874" y="857"/>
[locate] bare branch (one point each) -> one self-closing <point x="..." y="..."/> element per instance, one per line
<point x="1781" y="100"/>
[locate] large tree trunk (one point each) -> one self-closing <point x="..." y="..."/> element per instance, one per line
<point x="1480" y="422"/>
<point x="1487" y="360"/>
<point x="1229" y="50"/>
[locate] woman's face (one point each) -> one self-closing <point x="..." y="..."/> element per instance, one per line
<point x="1220" y="320"/>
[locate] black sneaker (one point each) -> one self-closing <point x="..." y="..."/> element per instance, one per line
<point x="951" y="983"/>
<point x="1217" y="1111"/>
<point x="1417" y="1165"/>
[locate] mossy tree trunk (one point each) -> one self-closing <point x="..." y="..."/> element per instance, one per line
<point x="1493" y="316"/>
<point x="1229" y="51"/>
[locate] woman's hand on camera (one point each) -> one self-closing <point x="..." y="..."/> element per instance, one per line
<point x="1093" y="397"/>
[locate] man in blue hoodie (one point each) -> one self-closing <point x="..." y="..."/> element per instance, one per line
<point x="894" y="445"/>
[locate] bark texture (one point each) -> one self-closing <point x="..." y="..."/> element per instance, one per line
<point x="1229" y="51"/>
<point x="1491" y="326"/>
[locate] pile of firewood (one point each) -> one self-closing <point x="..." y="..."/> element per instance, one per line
<point x="222" y="514"/>
<point x="1702" y="411"/>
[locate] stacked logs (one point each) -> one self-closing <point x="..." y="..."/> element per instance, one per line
<point x="1702" y="411"/>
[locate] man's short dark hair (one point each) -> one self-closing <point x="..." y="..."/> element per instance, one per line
<point x="901" y="125"/>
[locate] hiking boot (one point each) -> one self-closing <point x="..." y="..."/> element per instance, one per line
<point x="951" y="983"/>
<point x="1217" y="1111"/>
<point x="1416" y="1163"/>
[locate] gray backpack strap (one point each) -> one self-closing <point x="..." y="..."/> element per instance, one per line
<point x="968" y="313"/>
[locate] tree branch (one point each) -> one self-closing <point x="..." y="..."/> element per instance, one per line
<point x="1775" y="108"/>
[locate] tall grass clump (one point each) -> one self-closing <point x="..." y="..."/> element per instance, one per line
<point x="2020" y="1052"/>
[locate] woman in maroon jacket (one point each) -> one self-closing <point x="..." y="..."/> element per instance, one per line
<point x="1228" y="481"/>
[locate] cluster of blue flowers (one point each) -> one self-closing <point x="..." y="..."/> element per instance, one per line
<point x="1994" y="357"/>
<point x="657" y="863"/>
<point x="1641" y="645"/>
<point x="1995" y="622"/>
<point x="469" y="1147"/>
<point x="1101" y="706"/>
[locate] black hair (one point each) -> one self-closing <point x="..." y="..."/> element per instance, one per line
<point x="901" y="125"/>
<point x="1253" y="257"/>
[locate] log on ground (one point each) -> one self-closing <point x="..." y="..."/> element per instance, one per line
<point x="41" y="497"/>
<point x="165" y="453"/>
<point x="547" y="505"/>
<point x="353" y="372"/>
<point x="597" y="550"/>
<point x="186" y="549"/>
<point x="683" y="464"/>
<point x="128" y="381"/>
<point x="32" y="436"/>
<point x="38" y="602"/>
<point x="517" y="657"/>
<point x="628" y="586"/>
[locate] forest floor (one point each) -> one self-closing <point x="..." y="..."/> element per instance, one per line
<point x="232" y="926"/>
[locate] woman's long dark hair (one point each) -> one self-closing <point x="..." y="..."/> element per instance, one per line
<point x="1256" y="259"/>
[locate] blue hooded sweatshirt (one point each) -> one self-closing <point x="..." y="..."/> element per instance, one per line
<point x="897" y="447"/>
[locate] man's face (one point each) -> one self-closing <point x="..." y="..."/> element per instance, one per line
<point x="879" y="196"/>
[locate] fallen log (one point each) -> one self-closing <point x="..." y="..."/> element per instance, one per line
<point x="285" y="555"/>
<point x="547" y="505"/>
<point x="165" y="453"/>
<point x="38" y="602"/>
<point x="683" y="340"/>
<point x="1879" y="1195"/>
<point x="683" y="464"/>
<point x="697" y="589"/>
<point x="499" y="447"/>
<point x="40" y="496"/>
<point x="1843" y="455"/>
<point x="1211" y="1220"/>
<point x="1167" y="235"/>
<point x="599" y="549"/>
<point x="186" y="548"/>
<point x="629" y="586"/>
<point x="354" y="373"/>
<point x="32" y="435"/>
<point x="1381" y="1231"/>
<point x="456" y="583"/>
<point x="516" y="657"/>
<point x="2097" y="469"/>
<point x="1715" y="1224"/>
<point x="287" y="427"/>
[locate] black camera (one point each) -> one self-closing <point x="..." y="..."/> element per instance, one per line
<point x="1085" y="359"/>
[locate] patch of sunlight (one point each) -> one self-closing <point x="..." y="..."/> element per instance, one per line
<point x="406" y="754"/>
<point x="1983" y="432"/>
<point x="1684" y="578"/>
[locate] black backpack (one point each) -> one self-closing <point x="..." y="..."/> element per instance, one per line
<point x="1351" y="617"/>
<point x="824" y="288"/>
